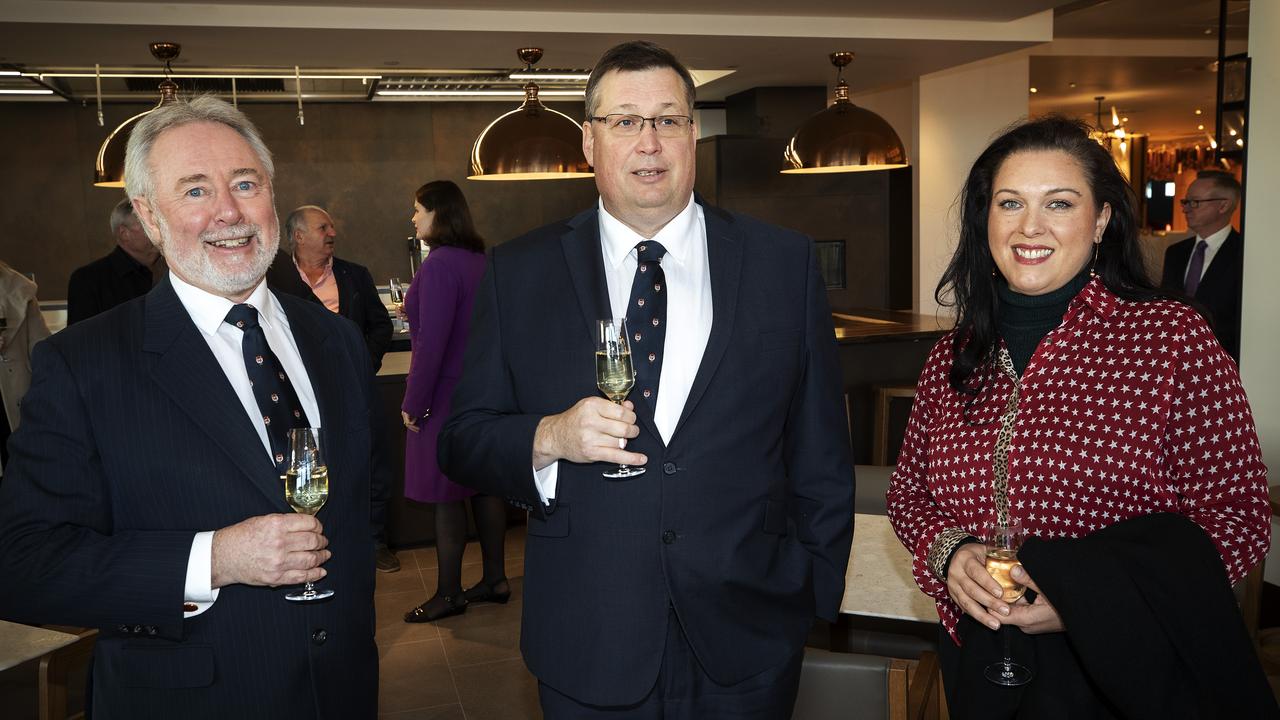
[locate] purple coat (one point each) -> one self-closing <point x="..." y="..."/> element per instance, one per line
<point x="438" y="305"/>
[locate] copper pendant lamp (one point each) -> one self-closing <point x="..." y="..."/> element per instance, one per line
<point x="843" y="137"/>
<point x="532" y="142"/>
<point x="108" y="170"/>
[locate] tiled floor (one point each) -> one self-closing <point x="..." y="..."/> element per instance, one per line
<point x="467" y="666"/>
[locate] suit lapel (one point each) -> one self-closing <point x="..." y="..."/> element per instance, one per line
<point x="585" y="261"/>
<point x="186" y="371"/>
<point x="724" y="256"/>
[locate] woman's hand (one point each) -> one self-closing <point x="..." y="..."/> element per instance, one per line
<point x="973" y="588"/>
<point x="409" y="421"/>
<point x="1037" y="617"/>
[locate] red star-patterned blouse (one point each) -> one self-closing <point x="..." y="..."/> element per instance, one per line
<point x="1126" y="408"/>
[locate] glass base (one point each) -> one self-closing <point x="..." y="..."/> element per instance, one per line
<point x="624" y="471"/>
<point x="308" y="594"/>
<point x="1008" y="673"/>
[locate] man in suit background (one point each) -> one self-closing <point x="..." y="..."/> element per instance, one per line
<point x="342" y="286"/>
<point x="127" y="272"/>
<point x="144" y="493"/>
<point x="687" y="591"/>
<point x="1210" y="266"/>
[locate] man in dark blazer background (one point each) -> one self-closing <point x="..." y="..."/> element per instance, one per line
<point x="1209" y="266"/>
<point x="342" y="286"/>
<point x="687" y="591"/>
<point x="144" y="494"/>
<point x="130" y="270"/>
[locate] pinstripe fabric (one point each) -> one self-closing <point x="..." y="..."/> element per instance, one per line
<point x="132" y="441"/>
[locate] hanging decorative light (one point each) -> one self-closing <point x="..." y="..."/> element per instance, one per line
<point x="843" y="137"/>
<point x="1117" y="131"/>
<point x="532" y="142"/>
<point x="108" y="170"/>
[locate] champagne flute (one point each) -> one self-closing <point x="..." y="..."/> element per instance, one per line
<point x="615" y="374"/>
<point x="1002" y="542"/>
<point x="306" y="488"/>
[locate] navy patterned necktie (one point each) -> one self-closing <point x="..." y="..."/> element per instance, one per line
<point x="279" y="404"/>
<point x="647" y="318"/>
<point x="1196" y="268"/>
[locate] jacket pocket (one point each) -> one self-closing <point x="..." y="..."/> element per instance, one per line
<point x="172" y="666"/>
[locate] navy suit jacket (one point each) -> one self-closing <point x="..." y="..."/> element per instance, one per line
<point x="1220" y="289"/>
<point x="132" y="440"/>
<point x="358" y="299"/>
<point x="742" y="524"/>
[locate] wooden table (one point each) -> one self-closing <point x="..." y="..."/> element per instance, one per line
<point x="878" y="582"/>
<point x="20" y="643"/>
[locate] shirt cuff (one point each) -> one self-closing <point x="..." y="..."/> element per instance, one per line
<point x="198" y="590"/>
<point x="545" y="481"/>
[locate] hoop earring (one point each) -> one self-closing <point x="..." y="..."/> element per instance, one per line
<point x="1096" y="246"/>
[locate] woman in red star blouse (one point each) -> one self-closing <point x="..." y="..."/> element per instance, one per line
<point x="1071" y="396"/>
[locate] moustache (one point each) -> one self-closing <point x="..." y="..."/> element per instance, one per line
<point x="230" y="233"/>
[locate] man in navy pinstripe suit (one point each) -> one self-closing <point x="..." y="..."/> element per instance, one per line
<point x="142" y="496"/>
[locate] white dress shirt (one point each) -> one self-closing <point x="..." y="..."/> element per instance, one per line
<point x="689" y="311"/>
<point x="1213" y="244"/>
<point x="209" y="312"/>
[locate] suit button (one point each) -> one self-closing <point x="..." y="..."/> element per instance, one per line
<point x="668" y="537"/>
<point x="151" y="630"/>
<point x="669" y="468"/>
<point x="318" y="637"/>
<point x="137" y="629"/>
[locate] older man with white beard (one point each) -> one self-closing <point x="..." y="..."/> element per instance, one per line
<point x="144" y="493"/>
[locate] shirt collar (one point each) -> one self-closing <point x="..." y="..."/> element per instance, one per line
<point x="617" y="240"/>
<point x="1096" y="297"/>
<point x="209" y="311"/>
<point x="1216" y="240"/>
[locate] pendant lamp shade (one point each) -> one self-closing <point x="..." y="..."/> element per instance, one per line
<point x="532" y="142"/>
<point x="108" y="169"/>
<point x="843" y="137"/>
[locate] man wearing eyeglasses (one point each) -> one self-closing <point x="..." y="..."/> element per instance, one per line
<point x="1210" y="266"/>
<point x="687" y="591"/>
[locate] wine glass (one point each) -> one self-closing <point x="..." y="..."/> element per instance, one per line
<point x="306" y="487"/>
<point x="1002" y="542"/>
<point x="397" y="293"/>
<point x="615" y="374"/>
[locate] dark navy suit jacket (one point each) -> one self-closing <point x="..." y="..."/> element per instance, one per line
<point x="742" y="524"/>
<point x="1220" y="289"/>
<point x="358" y="299"/>
<point x="131" y="441"/>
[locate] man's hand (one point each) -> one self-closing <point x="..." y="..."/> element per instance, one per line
<point x="973" y="588"/>
<point x="593" y="430"/>
<point x="271" y="550"/>
<point x="1037" y="617"/>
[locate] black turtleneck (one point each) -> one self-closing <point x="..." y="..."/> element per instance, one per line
<point x="1026" y="319"/>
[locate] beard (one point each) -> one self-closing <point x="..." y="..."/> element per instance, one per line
<point x="195" y="265"/>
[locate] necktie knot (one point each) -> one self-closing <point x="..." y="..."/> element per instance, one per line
<point x="650" y="251"/>
<point x="242" y="316"/>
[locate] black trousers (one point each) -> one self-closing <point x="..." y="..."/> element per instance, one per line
<point x="1060" y="690"/>
<point x="684" y="692"/>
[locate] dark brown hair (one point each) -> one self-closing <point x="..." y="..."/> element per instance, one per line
<point x="452" y="224"/>
<point x="635" y="56"/>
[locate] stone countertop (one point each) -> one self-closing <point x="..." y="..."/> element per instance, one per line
<point x="20" y="643"/>
<point x="878" y="582"/>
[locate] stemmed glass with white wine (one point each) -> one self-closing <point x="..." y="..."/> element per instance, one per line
<point x="1002" y="542"/>
<point x="615" y="375"/>
<point x="396" y="291"/>
<point x="306" y="488"/>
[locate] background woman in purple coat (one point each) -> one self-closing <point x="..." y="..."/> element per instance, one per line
<point x="438" y="308"/>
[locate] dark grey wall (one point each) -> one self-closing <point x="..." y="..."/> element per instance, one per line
<point x="361" y="161"/>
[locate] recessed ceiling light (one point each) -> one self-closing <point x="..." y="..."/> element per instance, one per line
<point x="1034" y="90"/>
<point x="1071" y="85"/>
<point x="1199" y="127"/>
<point x="1124" y="119"/>
<point x="1198" y="111"/>
<point x="1208" y="31"/>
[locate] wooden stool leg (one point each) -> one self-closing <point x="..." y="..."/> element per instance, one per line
<point x="54" y="668"/>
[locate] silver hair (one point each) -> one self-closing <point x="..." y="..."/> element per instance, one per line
<point x="293" y="222"/>
<point x="120" y="214"/>
<point x="138" y="181"/>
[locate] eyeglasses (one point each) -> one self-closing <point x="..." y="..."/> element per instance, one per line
<point x="627" y="125"/>
<point x="1188" y="203"/>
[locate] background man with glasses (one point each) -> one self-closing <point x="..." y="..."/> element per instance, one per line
<point x="688" y="591"/>
<point x="1210" y="265"/>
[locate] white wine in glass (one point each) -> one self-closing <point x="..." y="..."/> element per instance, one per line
<point x="396" y="291"/>
<point x="1002" y="542"/>
<point x="615" y="375"/>
<point x="306" y="488"/>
